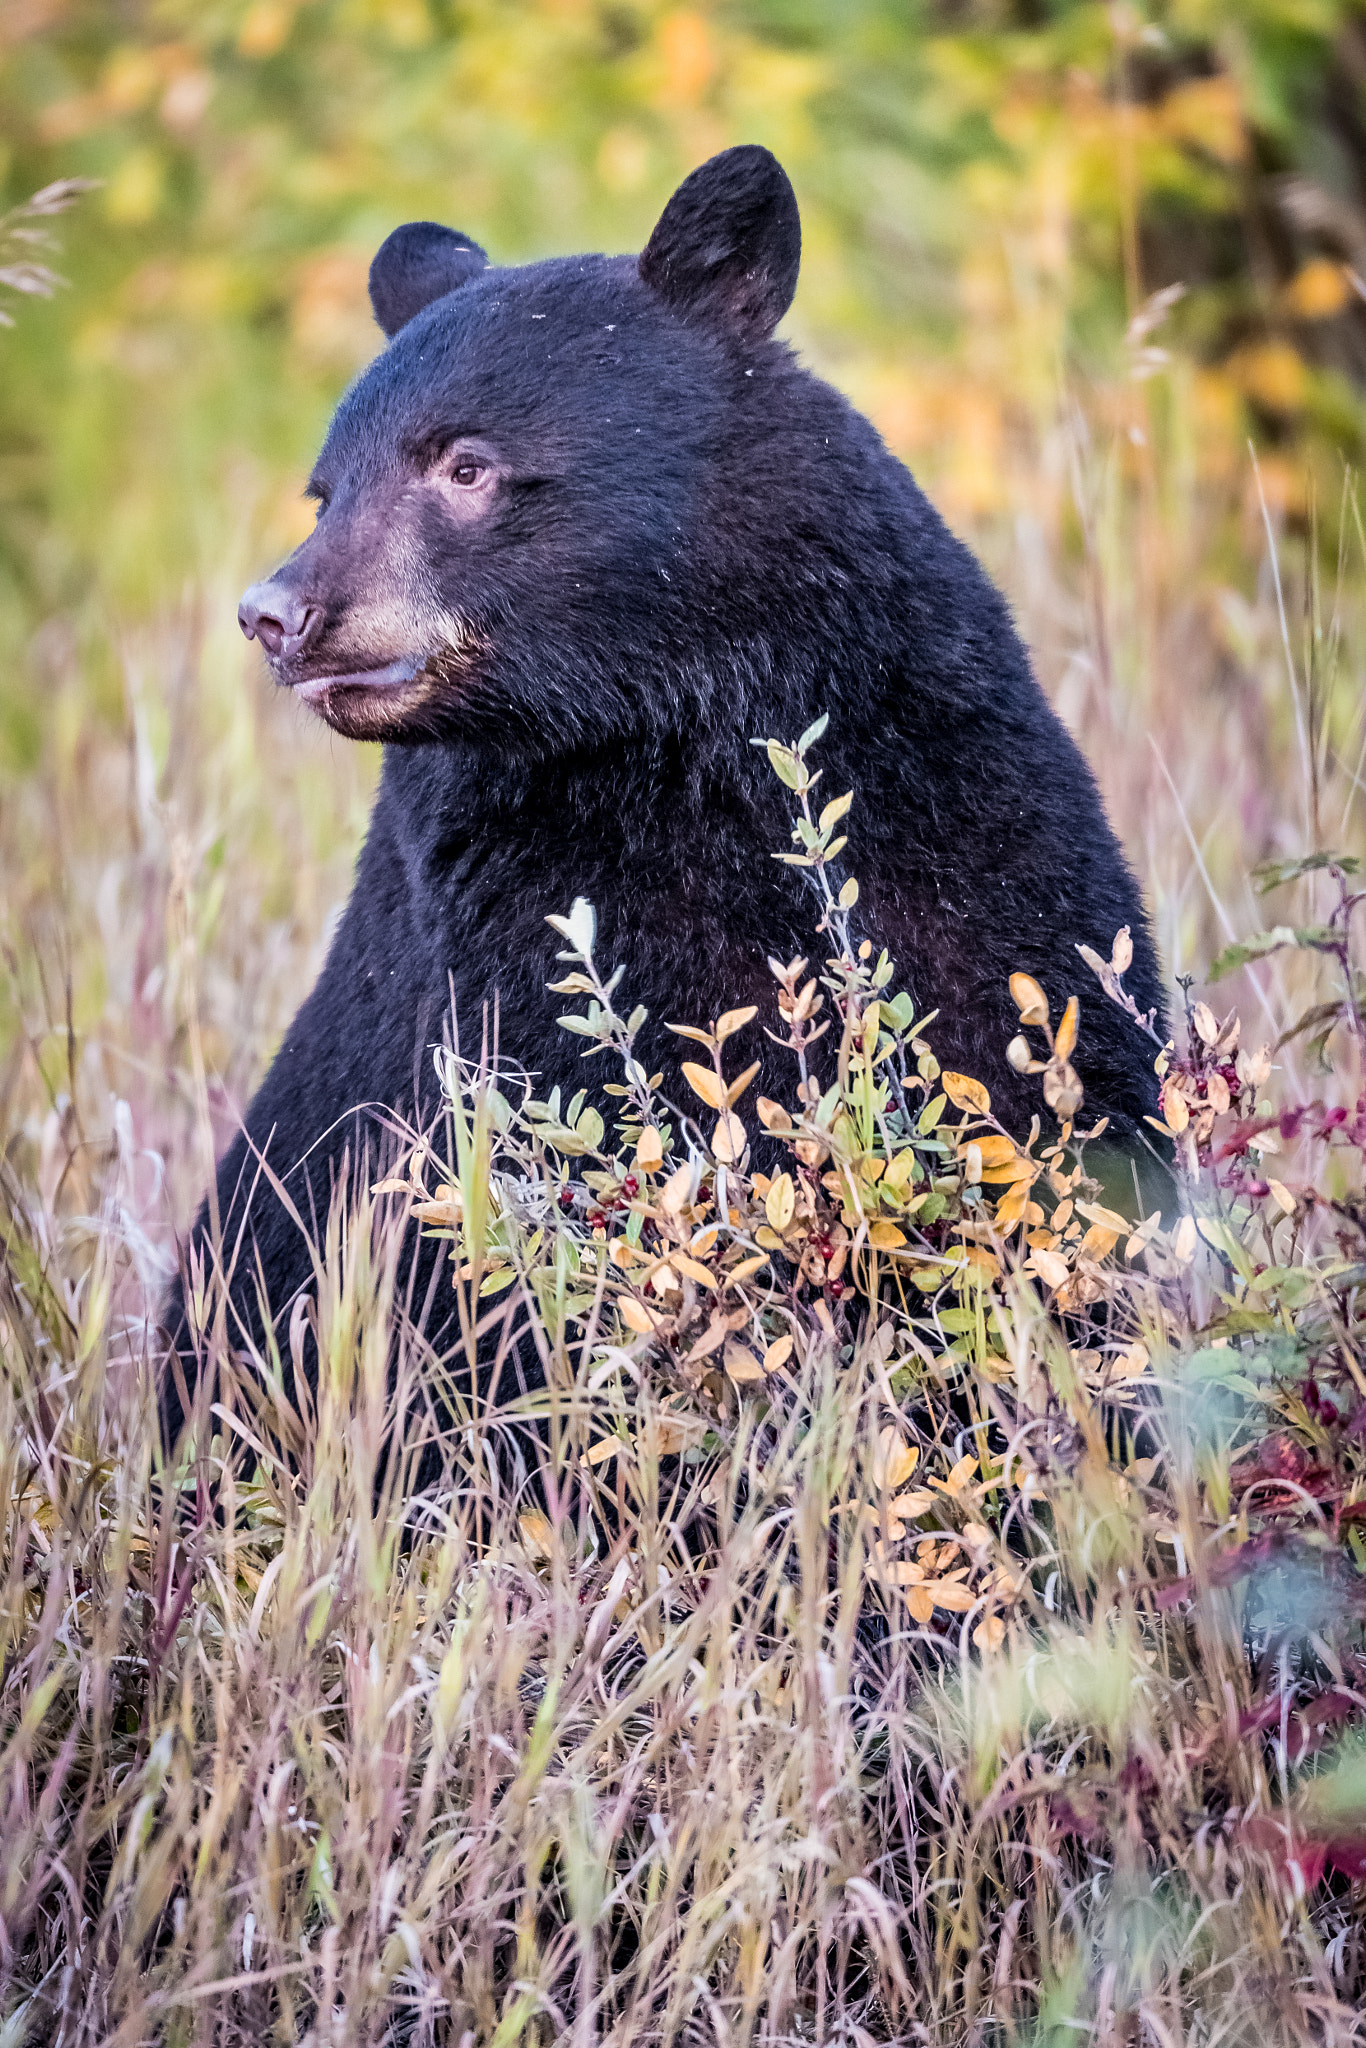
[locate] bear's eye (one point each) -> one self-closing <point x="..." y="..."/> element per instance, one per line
<point x="467" y="472"/>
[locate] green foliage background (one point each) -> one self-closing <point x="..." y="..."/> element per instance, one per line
<point x="253" y="156"/>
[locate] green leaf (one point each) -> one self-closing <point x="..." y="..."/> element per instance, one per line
<point x="1274" y="874"/>
<point x="784" y="764"/>
<point x="590" y="1128"/>
<point x="813" y="733"/>
<point x="1311" y="938"/>
<point x="583" y="926"/>
<point x="899" y="1012"/>
<point x="930" y="1115"/>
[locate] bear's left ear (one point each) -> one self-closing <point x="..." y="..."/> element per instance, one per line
<point x="729" y="244"/>
<point x="419" y="263"/>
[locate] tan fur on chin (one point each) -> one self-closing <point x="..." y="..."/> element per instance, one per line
<point x="359" y="711"/>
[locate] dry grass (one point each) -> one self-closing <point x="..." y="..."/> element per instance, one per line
<point x="661" y="1705"/>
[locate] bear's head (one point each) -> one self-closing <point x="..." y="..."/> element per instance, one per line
<point x="532" y="504"/>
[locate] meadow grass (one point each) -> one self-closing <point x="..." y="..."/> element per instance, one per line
<point x="919" y="1605"/>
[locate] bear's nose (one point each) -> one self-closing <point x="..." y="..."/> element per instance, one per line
<point x="284" y="623"/>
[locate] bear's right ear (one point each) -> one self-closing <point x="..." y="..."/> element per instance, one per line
<point x="729" y="244"/>
<point x="419" y="263"/>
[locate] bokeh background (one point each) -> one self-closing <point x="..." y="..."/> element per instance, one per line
<point x="1097" y="272"/>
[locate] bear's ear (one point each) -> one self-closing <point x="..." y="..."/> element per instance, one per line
<point x="419" y="263"/>
<point x="729" y="244"/>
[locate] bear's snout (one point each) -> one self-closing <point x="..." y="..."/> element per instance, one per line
<point x="284" y="623"/>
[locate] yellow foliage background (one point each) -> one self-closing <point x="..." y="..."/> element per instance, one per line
<point x="1095" y="271"/>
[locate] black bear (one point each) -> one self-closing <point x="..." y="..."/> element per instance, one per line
<point x="585" y="529"/>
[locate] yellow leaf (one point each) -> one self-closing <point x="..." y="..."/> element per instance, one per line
<point x="636" y="1316"/>
<point x="691" y="1031"/>
<point x="606" y="1447"/>
<point x="1320" y="290"/>
<point x="676" y="1190"/>
<point x="704" y="1240"/>
<point x="1133" y="1363"/>
<point x="990" y="1634"/>
<point x="1281" y="1196"/>
<point x="1029" y="999"/>
<point x="1016" y="1169"/>
<point x="1099" y="1242"/>
<point x="1053" y="1271"/>
<point x="704" y="1082"/>
<point x="1010" y="1210"/>
<point x="885" y="1237"/>
<point x="996" y="1149"/>
<point x="649" y="1150"/>
<point x="1106" y="1218"/>
<point x="538" y="1536"/>
<point x="894" y="1460"/>
<point x="965" y="1093"/>
<point x="907" y="1506"/>
<point x="683" y="1264"/>
<point x="778" y="1353"/>
<point x="1064" y="1045"/>
<point x="948" y="1593"/>
<point x="772" y="1115"/>
<point x="746" y="1270"/>
<point x="769" y="1239"/>
<point x="780" y="1201"/>
<point x="741" y="1365"/>
<point x="728" y="1140"/>
<point x="738" y="1087"/>
<point x="920" y="1603"/>
<point x="735" y="1020"/>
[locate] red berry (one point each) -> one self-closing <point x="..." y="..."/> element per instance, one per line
<point x="836" y="1288"/>
<point x="630" y="1186"/>
<point x="596" y="1219"/>
<point x="566" y="1198"/>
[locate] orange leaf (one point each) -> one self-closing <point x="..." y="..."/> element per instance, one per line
<point x="920" y="1602"/>
<point x="957" y="1599"/>
<point x="965" y="1093"/>
<point x="705" y="1083"/>
<point x="996" y="1149"/>
<point x="735" y="1020"/>
<point x="738" y="1087"/>
<point x="681" y="1263"/>
<point x="728" y="1140"/>
<point x="1065" y="1043"/>
<point x="1029" y="999"/>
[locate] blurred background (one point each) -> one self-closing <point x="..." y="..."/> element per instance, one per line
<point x="1097" y="272"/>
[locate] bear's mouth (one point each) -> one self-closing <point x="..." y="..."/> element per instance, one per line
<point x="393" y="675"/>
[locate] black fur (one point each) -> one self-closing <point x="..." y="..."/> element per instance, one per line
<point x="680" y="539"/>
